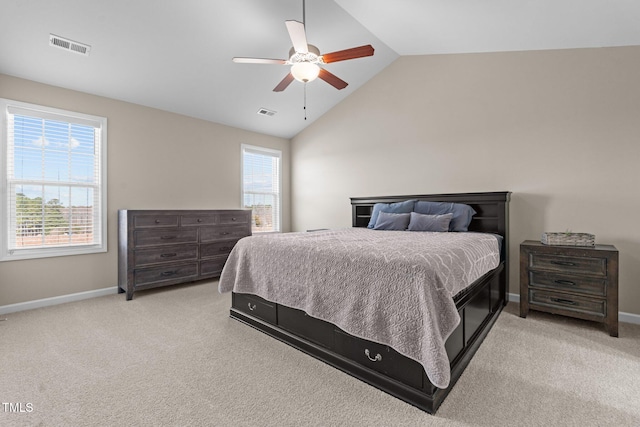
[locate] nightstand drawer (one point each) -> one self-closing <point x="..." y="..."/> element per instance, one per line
<point x="572" y="283"/>
<point x="568" y="303"/>
<point x="568" y="264"/>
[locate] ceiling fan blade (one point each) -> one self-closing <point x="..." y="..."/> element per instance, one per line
<point x="259" y="61"/>
<point x="298" y="36"/>
<point x="332" y="79"/>
<point x="284" y="83"/>
<point x="343" y="55"/>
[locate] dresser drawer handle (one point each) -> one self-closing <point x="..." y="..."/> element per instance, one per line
<point x="198" y="220"/>
<point x="167" y="237"/>
<point x="251" y="307"/>
<point x="168" y="255"/>
<point x="233" y="219"/>
<point x="168" y="273"/>
<point x="378" y="357"/>
<point x="564" y="282"/>
<point x="564" y="301"/>
<point x="564" y="263"/>
<point x="224" y="233"/>
<point x="157" y="221"/>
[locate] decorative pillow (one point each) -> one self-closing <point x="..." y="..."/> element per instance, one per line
<point x="462" y="214"/>
<point x="392" y="221"/>
<point x="399" y="207"/>
<point x="423" y="222"/>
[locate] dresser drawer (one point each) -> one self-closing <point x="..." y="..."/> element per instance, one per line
<point x="144" y="276"/>
<point x="164" y="237"/>
<point x="572" y="283"/>
<point x="208" y="234"/>
<point x="140" y="221"/>
<point x="300" y="323"/>
<point x="208" y="250"/>
<point x="380" y="358"/>
<point x="165" y="254"/>
<point x="255" y="306"/>
<point x="213" y="266"/>
<point x="567" y="303"/>
<point x="205" y="219"/>
<point x="230" y="218"/>
<point x="568" y="264"/>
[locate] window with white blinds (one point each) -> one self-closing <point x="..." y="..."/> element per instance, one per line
<point x="53" y="182"/>
<point x="261" y="187"/>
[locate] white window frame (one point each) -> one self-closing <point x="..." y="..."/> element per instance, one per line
<point x="7" y="254"/>
<point x="277" y="228"/>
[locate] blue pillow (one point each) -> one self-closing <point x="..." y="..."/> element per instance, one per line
<point x="392" y="221"/>
<point x="399" y="207"/>
<point x="462" y="214"/>
<point x="423" y="222"/>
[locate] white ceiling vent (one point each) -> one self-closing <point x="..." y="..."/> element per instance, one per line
<point x="69" y="45"/>
<point x="265" y="112"/>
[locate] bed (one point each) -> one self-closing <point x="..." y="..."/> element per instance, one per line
<point x="409" y="340"/>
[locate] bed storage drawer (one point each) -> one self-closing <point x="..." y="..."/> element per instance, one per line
<point x="301" y="324"/>
<point x="380" y="358"/>
<point x="255" y="306"/>
<point x="455" y="342"/>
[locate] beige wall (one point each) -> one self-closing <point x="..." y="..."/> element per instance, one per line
<point x="156" y="160"/>
<point x="560" y="129"/>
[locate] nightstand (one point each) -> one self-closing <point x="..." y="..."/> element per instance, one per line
<point x="575" y="281"/>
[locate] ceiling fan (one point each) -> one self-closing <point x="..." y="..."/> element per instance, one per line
<point x="305" y="59"/>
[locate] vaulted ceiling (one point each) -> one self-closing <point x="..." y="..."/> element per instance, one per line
<point x="176" y="55"/>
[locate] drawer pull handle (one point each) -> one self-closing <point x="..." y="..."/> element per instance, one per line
<point x="224" y="233"/>
<point x="378" y="357"/>
<point x="199" y="220"/>
<point x="251" y="307"/>
<point x="167" y="237"/>
<point x="233" y="219"/>
<point x="168" y="273"/>
<point x="564" y="282"/>
<point x="564" y="301"/>
<point x="157" y="221"/>
<point x="168" y="255"/>
<point x="564" y="263"/>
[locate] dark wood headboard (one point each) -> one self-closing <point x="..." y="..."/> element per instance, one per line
<point x="492" y="210"/>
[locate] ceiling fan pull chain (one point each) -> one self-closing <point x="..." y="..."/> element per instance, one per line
<point x="305" y="101"/>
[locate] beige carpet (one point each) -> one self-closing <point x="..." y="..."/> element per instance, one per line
<point x="173" y="357"/>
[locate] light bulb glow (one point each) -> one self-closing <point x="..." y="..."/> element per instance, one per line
<point x="305" y="71"/>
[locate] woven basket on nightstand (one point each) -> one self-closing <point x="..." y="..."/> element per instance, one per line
<point x="568" y="239"/>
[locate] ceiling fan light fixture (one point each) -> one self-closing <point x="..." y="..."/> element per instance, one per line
<point x="305" y="71"/>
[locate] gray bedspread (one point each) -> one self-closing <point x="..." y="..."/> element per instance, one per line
<point x="391" y="287"/>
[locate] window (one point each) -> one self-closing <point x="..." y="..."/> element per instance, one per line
<point x="53" y="172"/>
<point x="261" y="183"/>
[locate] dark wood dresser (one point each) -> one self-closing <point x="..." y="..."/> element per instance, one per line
<point x="167" y="247"/>
<point x="573" y="281"/>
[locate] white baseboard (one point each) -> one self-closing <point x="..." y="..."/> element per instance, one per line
<point x="622" y="317"/>
<point x="45" y="302"/>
